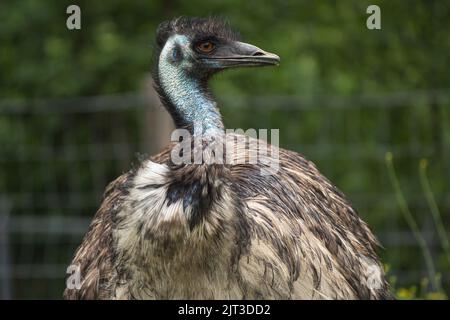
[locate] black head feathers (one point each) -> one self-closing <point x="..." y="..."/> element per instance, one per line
<point x="196" y="28"/>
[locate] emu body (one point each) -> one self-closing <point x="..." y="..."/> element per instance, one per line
<point x="222" y="231"/>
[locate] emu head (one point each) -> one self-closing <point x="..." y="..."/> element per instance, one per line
<point x="202" y="47"/>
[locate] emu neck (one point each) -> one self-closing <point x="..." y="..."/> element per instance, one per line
<point x="193" y="106"/>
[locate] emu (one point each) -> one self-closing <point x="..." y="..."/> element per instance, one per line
<point x="222" y="230"/>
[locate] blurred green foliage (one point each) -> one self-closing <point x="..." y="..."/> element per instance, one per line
<point x="326" y="52"/>
<point x="324" y="45"/>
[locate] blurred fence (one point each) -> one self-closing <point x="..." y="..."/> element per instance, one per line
<point x="57" y="156"/>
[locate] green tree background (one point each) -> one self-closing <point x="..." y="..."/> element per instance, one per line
<point x="343" y="96"/>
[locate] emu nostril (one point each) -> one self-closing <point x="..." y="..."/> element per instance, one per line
<point x="258" y="53"/>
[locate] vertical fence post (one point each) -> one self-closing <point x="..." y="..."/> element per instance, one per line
<point x="5" y="272"/>
<point x="158" y="124"/>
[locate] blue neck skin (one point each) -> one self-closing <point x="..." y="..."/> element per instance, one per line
<point x="185" y="90"/>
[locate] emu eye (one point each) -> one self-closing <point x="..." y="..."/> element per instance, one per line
<point x="205" y="47"/>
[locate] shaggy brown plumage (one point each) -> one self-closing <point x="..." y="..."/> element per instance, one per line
<point x="213" y="231"/>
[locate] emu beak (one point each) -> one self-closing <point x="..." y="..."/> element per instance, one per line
<point x="240" y="54"/>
